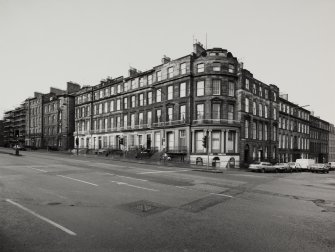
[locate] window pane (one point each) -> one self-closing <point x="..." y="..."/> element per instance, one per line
<point x="200" y="88"/>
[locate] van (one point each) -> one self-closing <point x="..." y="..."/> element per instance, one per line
<point x="331" y="166"/>
<point x="305" y="163"/>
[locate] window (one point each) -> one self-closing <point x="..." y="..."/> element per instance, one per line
<point x="254" y="130"/>
<point x="274" y="114"/>
<point x="231" y="68"/>
<point x="200" y="88"/>
<point x="246" y="129"/>
<point x="216" y="142"/>
<point x="132" y="120"/>
<point x="118" y="104"/>
<point x="260" y="92"/>
<point x="170" y="92"/>
<point x="149" y="98"/>
<point x="141" y="100"/>
<point x="246" y="105"/>
<point x="100" y="108"/>
<point x="265" y="132"/>
<point x="274" y="96"/>
<point x="266" y="111"/>
<point x="125" y="103"/>
<point x="216" y="87"/>
<point x="140" y="118"/>
<point x="266" y="93"/>
<point x="274" y="133"/>
<point x="158" y="115"/>
<point x="183" y="68"/>
<point x="230" y="112"/>
<point x="198" y="141"/>
<point x="133" y="84"/>
<point x="106" y="107"/>
<point x="119" y="88"/>
<point x="260" y="109"/>
<point x="141" y="82"/>
<point x="111" y="106"/>
<point x="150" y="79"/>
<point x="170" y="72"/>
<point x="101" y="93"/>
<point x="149" y="118"/>
<point x="133" y="101"/>
<point x="247" y="84"/>
<point x="200" y="111"/>
<point x="112" y="90"/>
<point x="170" y="114"/>
<point x="216" y="111"/>
<point x="231" y="89"/>
<point x="158" y="95"/>
<point x="254" y="109"/>
<point x="254" y="88"/>
<point x="260" y="131"/>
<point x="159" y="76"/>
<point x="182" y="89"/>
<point x="183" y="113"/>
<point x="216" y="67"/>
<point x="200" y="68"/>
<point x="125" y="121"/>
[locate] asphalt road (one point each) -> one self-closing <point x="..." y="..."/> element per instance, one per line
<point x="56" y="202"/>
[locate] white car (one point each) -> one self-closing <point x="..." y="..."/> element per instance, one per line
<point x="260" y="167"/>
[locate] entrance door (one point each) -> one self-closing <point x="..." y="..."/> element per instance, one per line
<point x="148" y="141"/>
<point x="170" y="141"/>
<point x="246" y="154"/>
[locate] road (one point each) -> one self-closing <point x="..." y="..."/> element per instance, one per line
<point x="57" y="202"/>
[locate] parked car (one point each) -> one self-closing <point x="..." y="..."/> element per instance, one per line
<point x="260" y="167"/>
<point x="319" y="168"/>
<point x="332" y="166"/>
<point x="282" y="167"/>
<point x="19" y="147"/>
<point x="296" y="167"/>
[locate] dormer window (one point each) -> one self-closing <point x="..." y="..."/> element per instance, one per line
<point x="231" y="68"/>
<point x="216" y="67"/>
<point x="201" y="68"/>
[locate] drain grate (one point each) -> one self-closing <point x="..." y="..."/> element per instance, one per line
<point x="144" y="207"/>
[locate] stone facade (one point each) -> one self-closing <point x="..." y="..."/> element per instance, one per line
<point x="293" y="131"/>
<point x="319" y="137"/>
<point x="331" y="146"/>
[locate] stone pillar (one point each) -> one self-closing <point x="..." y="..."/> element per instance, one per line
<point x="222" y="143"/>
<point x="193" y="141"/>
<point x="209" y="142"/>
<point x="236" y="142"/>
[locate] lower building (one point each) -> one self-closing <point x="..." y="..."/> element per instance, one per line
<point x="331" y="146"/>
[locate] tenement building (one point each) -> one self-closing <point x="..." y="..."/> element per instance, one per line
<point x="14" y="126"/>
<point x="293" y="131"/>
<point x="50" y="118"/>
<point x="193" y="107"/>
<point x="331" y="146"/>
<point x="319" y="137"/>
<point x="258" y="117"/>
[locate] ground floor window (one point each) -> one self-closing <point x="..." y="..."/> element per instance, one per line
<point x="198" y="142"/>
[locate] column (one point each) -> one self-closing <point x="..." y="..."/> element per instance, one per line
<point x="222" y="144"/>
<point x="236" y="142"/>
<point x="226" y="140"/>
<point x="193" y="141"/>
<point x="209" y="141"/>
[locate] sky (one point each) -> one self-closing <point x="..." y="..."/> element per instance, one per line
<point x="44" y="43"/>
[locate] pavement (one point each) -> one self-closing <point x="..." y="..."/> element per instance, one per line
<point x="57" y="202"/>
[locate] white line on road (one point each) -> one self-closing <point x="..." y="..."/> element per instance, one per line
<point x="140" y="187"/>
<point x="77" y="180"/>
<point x="68" y="231"/>
<point x="131" y="178"/>
<point x="112" y="174"/>
<point x="161" y="171"/>
<point x="223" y="195"/>
<point x="38" y="169"/>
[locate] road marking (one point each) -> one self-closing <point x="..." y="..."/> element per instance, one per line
<point x="140" y="187"/>
<point x="68" y="231"/>
<point x="223" y="195"/>
<point x="160" y="171"/>
<point x="38" y="169"/>
<point x="132" y="178"/>
<point x="77" y="180"/>
<point x="182" y="187"/>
